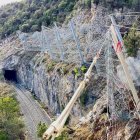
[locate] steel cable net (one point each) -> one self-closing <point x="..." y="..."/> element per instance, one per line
<point x="118" y="95"/>
<point x="63" y="45"/>
<point x="127" y="19"/>
<point x="60" y="40"/>
<point x="117" y="92"/>
<point x="67" y="43"/>
<point x="76" y="42"/>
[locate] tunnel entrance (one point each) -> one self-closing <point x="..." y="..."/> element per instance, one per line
<point x="10" y="75"/>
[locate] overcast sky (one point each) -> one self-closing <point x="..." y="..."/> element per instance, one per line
<point x="3" y="2"/>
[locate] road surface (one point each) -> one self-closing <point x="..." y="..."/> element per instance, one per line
<point x="32" y="112"/>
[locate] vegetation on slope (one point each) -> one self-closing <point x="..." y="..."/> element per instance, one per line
<point x="29" y="15"/>
<point x="132" y="39"/>
<point x="132" y="42"/>
<point x="41" y="128"/>
<point x="11" y="126"/>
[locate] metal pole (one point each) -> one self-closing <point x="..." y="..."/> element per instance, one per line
<point x="126" y="71"/>
<point x="59" y="44"/>
<point x="117" y="32"/>
<point x="77" y="41"/>
<point x="42" y="40"/>
<point x="110" y="89"/>
<point x="47" y="45"/>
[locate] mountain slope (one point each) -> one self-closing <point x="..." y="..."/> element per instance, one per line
<point x="29" y="15"/>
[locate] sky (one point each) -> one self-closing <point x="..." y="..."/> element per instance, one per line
<point x="4" y="2"/>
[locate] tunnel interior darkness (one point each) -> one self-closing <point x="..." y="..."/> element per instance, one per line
<point x="10" y="75"/>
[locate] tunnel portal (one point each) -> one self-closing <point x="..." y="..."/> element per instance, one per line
<point x="10" y="75"/>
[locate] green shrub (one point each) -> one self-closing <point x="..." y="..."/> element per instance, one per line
<point x="48" y="12"/>
<point x="83" y="69"/>
<point x="84" y="98"/>
<point x="25" y="28"/>
<point x="50" y="66"/>
<point x="62" y="5"/>
<point x="132" y="42"/>
<point x="41" y="128"/>
<point x="63" y="136"/>
<point x="3" y="136"/>
<point x="10" y="119"/>
<point x="76" y="72"/>
<point x="79" y="71"/>
<point x="70" y="7"/>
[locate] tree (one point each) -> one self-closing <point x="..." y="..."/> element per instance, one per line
<point x="18" y="15"/>
<point x="25" y="28"/>
<point x="3" y="135"/>
<point x="41" y="128"/>
<point x="10" y="123"/>
<point x="132" y="42"/>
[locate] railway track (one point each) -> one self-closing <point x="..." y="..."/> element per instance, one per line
<point x="33" y="114"/>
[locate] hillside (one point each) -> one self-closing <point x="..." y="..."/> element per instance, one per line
<point x="29" y="15"/>
<point x="76" y="73"/>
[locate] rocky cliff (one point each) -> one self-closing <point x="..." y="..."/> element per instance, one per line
<point x="53" y="83"/>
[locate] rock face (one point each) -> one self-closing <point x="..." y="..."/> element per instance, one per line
<point x="94" y="125"/>
<point x="98" y="109"/>
<point x="52" y="88"/>
<point x="47" y="87"/>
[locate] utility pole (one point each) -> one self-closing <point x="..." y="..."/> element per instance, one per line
<point x="125" y="68"/>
